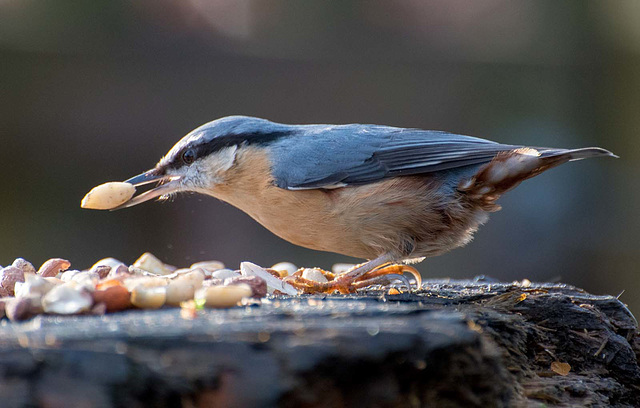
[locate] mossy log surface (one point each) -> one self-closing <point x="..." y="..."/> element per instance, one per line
<point x="452" y="344"/>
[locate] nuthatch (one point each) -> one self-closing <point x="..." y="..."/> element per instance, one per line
<point x="387" y="194"/>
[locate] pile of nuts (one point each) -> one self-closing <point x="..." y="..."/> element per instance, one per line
<point x="111" y="286"/>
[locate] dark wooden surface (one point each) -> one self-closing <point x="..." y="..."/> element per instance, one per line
<point x="453" y="344"/>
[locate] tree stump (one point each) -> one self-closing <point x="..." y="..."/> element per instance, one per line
<point x="452" y="344"/>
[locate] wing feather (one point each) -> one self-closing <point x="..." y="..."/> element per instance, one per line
<point x="319" y="156"/>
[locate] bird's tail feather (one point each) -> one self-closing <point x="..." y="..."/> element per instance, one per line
<point x="577" y="154"/>
<point x="510" y="168"/>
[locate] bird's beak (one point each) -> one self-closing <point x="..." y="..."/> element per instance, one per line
<point x="166" y="185"/>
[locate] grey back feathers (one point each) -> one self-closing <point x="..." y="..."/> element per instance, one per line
<point x="328" y="156"/>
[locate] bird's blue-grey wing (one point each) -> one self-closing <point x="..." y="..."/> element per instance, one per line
<point x="320" y="156"/>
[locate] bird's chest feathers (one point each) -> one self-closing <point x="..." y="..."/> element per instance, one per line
<point x="302" y="217"/>
<point x="363" y="221"/>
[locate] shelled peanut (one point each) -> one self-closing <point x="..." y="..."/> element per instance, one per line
<point x="111" y="286"/>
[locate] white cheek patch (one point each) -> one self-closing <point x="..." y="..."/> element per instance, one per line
<point x="220" y="162"/>
<point x="207" y="171"/>
<point x="226" y="158"/>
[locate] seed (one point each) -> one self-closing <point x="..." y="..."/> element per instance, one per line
<point x="8" y="278"/>
<point x="68" y="298"/>
<point x="107" y="283"/>
<point x="177" y="272"/>
<point x="341" y="268"/>
<point x="286" y="267"/>
<point x="101" y="270"/>
<point x="55" y="281"/>
<point x="68" y="275"/>
<point x="25" y="266"/>
<point x="88" y="280"/>
<point x="99" y="309"/>
<point x="106" y="265"/>
<point x="179" y="291"/>
<point x="120" y="272"/>
<point x="212" y="282"/>
<point x="18" y="309"/>
<point x="258" y="285"/>
<point x="314" y="275"/>
<point x="34" y="285"/>
<point x="150" y="263"/>
<point x="224" y="274"/>
<point x="112" y="262"/>
<point x="115" y="297"/>
<point x="143" y="282"/>
<point x="210" y="266"/>
<point x="222" y="297"/>
<point x="108" y="195"/>
<point x="193" y="277"/>
<point x="273" y="283"/>
<point x="53" y="266"/>
<point x="149" y="297"/>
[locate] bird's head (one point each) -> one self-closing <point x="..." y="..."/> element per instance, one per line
<point x="201" y="160"/>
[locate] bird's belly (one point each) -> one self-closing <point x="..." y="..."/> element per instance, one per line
<point x="403" y="216"/>
<point x="305" y="217"/>
<point x="407" y="217"/>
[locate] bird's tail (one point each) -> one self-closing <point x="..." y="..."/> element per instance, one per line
<point x="576" y="154"/>
<point x="510" y="168"/>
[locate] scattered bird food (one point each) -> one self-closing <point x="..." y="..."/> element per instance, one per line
<point x="110" y="286"/>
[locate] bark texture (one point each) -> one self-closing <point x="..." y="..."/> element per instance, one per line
<point x="453" y="344"/>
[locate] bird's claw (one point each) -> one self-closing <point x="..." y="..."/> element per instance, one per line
<point x="352" y="280"/>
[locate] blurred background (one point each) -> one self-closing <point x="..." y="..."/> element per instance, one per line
<point x="98" y="91"/>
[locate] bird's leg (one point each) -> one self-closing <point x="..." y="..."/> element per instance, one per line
<point x="387" y="274"/>
<point x="344" y="280"/>
<point x="376" y="271"/>
<point x="382" y="280"/>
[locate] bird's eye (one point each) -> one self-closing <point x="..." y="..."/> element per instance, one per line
<point x="189" y="156"/>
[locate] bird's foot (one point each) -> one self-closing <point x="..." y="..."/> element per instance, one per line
<point x="354" y="279"/>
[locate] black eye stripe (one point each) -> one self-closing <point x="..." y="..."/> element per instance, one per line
<point x="200" y="150"/>
<point x="221" y="142"/>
